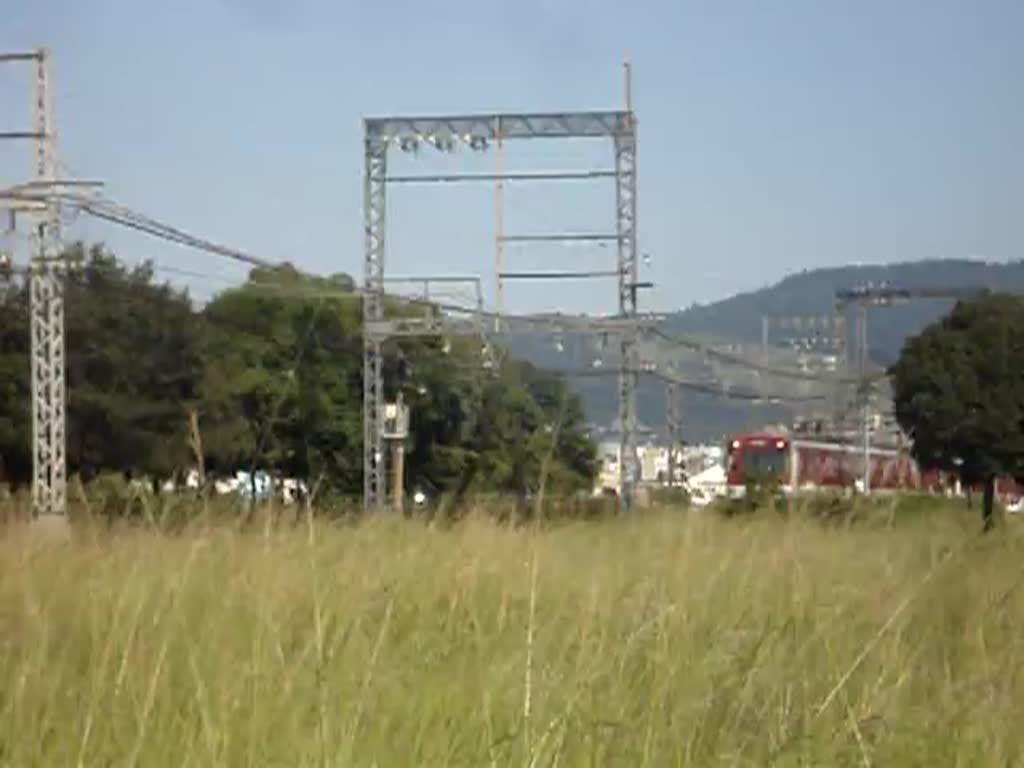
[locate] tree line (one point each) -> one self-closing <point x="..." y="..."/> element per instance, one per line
<point x="271" y="370"/>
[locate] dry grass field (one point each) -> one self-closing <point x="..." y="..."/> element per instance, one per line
<point x="668" y="639"/>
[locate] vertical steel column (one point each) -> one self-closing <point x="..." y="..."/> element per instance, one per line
<point x="499" y="226"/>
<point x="672" y="424"/>
<point x="374" y="220"/>
<point x="46" y="290"/>
<point x="839" y="343"/>
<point x="10" y="238"/>
<point x="862" y="321"/>
<point x="625" y="209"/>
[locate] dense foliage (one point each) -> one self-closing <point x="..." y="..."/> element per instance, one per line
<point x="273" y="370"/>
<point x="958" y="392"/>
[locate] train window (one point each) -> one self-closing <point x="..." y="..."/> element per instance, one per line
<point x="764" y="462"/>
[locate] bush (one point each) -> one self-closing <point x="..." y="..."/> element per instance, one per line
<point x="111" y="495"/>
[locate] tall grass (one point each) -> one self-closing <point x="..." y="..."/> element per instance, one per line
<point x="666" y="639"/>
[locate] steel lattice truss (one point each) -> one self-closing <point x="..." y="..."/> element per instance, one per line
<point x="571" y="125"/>
<point x="47" y="322"/>
<point x="46" y="292"/>
<point x="443" y="133"/>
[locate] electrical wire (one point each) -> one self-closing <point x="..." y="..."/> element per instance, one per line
<point x="106" y="209"/>
<point x="690" y="385"/>
<point x="123" y="216"/>
<point x="116" y="214"/>
<point x="708" y="351"/>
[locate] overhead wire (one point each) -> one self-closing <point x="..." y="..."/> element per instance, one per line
<point x="690" y="385"/>
<point x="711" y="352"/>
<point x="120" y="215"/>
<point x="106" y="209"/>
<point x="117" y="214"/>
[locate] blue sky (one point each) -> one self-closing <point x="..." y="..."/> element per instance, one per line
<point x="774" y="136"/>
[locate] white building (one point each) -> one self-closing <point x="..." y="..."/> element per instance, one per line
<point x="653" y="463"/>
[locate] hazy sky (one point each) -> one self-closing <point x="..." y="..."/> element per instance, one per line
<point x="773" y="136"/>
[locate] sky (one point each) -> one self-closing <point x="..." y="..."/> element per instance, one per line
<point x="773" y="136"/>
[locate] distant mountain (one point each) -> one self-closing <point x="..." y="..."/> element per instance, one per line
<point x="739" y="320"/>
<point x="812" y="291"/>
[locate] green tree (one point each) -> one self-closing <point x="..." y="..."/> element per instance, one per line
<point x="274" y="370"/>
<point x="133" y="365"/>
<point x="282" y="391"/>
<point x="132" y="359"/>
<point x="282" y="381"/>
<point x="531" y="430"/>
<point x="15" y="389"/>
<point x="958" y="391"/>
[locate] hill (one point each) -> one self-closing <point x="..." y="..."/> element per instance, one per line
<point x="739" y="319"/>
<point x="812" y="291"/>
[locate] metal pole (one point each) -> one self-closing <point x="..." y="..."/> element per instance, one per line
<point x="862" y="318"/>
<point x="46" y="302"/>
<point x="398" y="462"/>
<point x="374" y="213"/>
<point x="499" y="228"/>
<point x="842" y="363"/>
<point x="501" y="177"/>
<point x="672" y="423"/>
<point x="627" y="68"/>
<point x="47" y="314"/>
<point x="10" y="238"/>
<point x="625" y="207"/>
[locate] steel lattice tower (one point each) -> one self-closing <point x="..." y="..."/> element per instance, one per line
<point x="625" y="224"/>
<point x="47" y="313"/>
<point x="444" y="132"/>
<point x="39" y="199"/>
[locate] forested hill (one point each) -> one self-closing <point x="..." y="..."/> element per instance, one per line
<point x="812" y="291"/>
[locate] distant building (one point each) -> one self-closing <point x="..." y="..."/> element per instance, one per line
<point x="653" y="460"/>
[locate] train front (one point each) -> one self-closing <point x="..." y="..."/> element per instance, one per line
<point x="756" y="458"/>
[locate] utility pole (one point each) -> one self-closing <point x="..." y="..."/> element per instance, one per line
<point x="398" y="467"/>
<point x="499" y="226"/>
<point x="49" y="487"/>
<point x="672" y="426"/>
<point x="625" y="197"/>
<point x="10" y="240"/>
<point x="862" y="323"/>
<point x="46" y="290"/>
<point x="398" y="453"/>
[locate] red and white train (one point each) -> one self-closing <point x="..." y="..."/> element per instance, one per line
<point x="801" y="465"/>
